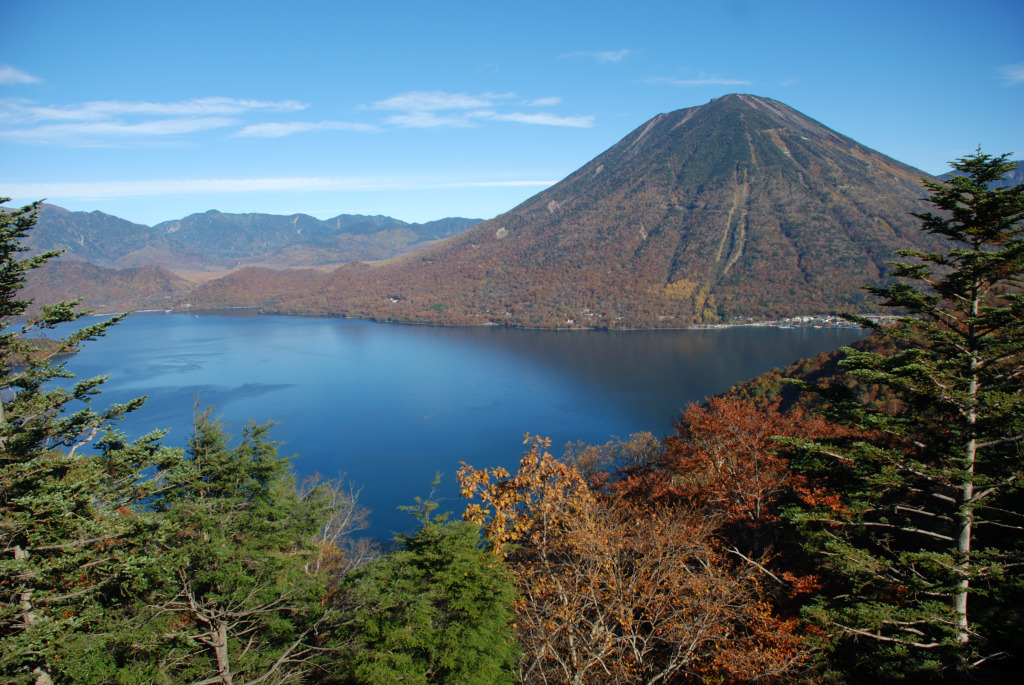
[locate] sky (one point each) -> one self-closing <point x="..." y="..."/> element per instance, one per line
<point x="152" y="110"/>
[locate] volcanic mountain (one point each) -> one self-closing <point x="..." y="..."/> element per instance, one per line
<point x="742" y="207"/>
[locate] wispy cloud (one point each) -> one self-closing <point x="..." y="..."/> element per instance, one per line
<point x="1013" y="74"/>
<point x="112" y="189"/>
<point x="437" y="109"/>
<point x="603" y="56"/>
<point x="426" y="119"/>
<point x="435" y="100"/>
<point x="104" y="133"/>
<point x="544" y="102"/>
<point x="117" y="122"/>
<point x="545" y="119"/>
<point x="287" y="128"/>
<point x="107" y="109"/>
<point x="9" y="76"/>
<point x="701" y="81"/>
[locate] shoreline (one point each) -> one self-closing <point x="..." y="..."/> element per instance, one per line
<point x="817" y="321"/>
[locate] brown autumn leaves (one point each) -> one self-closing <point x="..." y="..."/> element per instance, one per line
<point x="651" y="562"/>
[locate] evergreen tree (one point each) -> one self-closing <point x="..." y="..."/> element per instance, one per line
<point x="923" y="532"/>
<point x="74" y="534"/>
<point x="243" y="596"/>
<point x="434" y="611"/>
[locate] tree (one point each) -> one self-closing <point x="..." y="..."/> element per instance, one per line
<point x="242" y="599"/>
<point x="928" y="524"/>
<point x="613" y="591"/>
<point x="725" y="461"/>
<point x="434" y="611"/>
<point x="74" y="532"/>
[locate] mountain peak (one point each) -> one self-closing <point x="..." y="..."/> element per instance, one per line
<point x="742" y="207"/>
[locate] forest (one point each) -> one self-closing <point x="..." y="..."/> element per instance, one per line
<point x="855" y="519"/>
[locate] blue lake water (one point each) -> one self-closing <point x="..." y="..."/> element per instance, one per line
<point x="391" y="405"/>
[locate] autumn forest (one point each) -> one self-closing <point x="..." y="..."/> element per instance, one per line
<point x="855" y="518"/>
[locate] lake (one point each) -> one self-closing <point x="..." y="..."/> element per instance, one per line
<point x="390" y="405"/>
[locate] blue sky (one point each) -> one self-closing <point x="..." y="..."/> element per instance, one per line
<point x="153" y="110"/>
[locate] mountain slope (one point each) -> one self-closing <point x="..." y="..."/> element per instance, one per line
<point x="104" y="290"/>
<point x="743" y="207"/>
<point x="94" y="236"/>
<point x="215" y="241"/>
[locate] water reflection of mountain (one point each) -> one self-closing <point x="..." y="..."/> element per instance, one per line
<point x="391" y="405"/>
<point x="662" y="370"/>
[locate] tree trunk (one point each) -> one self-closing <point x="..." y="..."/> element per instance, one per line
<point x="220" y="648"/>
<point x="965" y="515"/>
<point x="29" y="618"/>
<point x="963" y="548"/>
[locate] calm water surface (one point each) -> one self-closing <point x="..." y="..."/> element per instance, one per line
<point x="391" y="405"/>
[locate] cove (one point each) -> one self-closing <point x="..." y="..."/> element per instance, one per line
<point x="391" y="405"/>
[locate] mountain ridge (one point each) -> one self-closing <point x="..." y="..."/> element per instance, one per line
<point x="217" y="240"/>
<point x="743" y="207"/>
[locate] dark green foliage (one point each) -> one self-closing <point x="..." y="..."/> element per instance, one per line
<point x="435" y="611"/>
<point x="124" y="561"/>
<point x="76" y="542"/>
<point x="923" y="539"/>
<point x="243" y="589"/>
<point x="822" y="370"/>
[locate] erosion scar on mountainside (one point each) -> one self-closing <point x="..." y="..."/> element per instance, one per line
<point x="735" y="233"/>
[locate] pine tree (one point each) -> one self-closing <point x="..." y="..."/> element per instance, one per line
<point x="243" y="595"/>
<point x="925" y="532"/>
<point x="75" y="537"/>
<point x="434" y="611"/>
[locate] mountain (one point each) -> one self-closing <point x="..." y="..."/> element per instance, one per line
<point x="742" y="207"/>
<point x="106" y="290"/>
<point x="117" y="265"/>
<point x="301" y="240"/>
<point x="94" y="237"/>
<point x="216" y="241"/>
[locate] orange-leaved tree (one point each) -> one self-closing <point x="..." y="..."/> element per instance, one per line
<point x="726" y="459"/>
<point x="615" y="591"/>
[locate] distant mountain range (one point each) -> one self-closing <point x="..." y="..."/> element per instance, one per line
<point x="215" y="240"/>
<point x="117" y="265"/>
<point x="740" y="208"/>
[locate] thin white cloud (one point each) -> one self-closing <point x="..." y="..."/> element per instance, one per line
<point x="430" y="120"/>
<point x="107" y="109"/>
<point x="438" y="109"/>
<point x="475" y="117"/>
<point x="92" y="134"/>
<point x="282" y="129"/>
<point x="432" y="101"/>
<point x="602" y="56"/>
<point x="545" y="119"/>
<point x="1013" y="74"/>
<point x="9" y="76"/>
<point x="113" y="189"/>
<point x="117" y="122"/>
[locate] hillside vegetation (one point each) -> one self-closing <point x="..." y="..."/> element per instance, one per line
<point x="739" y="208"/>
<point x="875" y="539"/>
